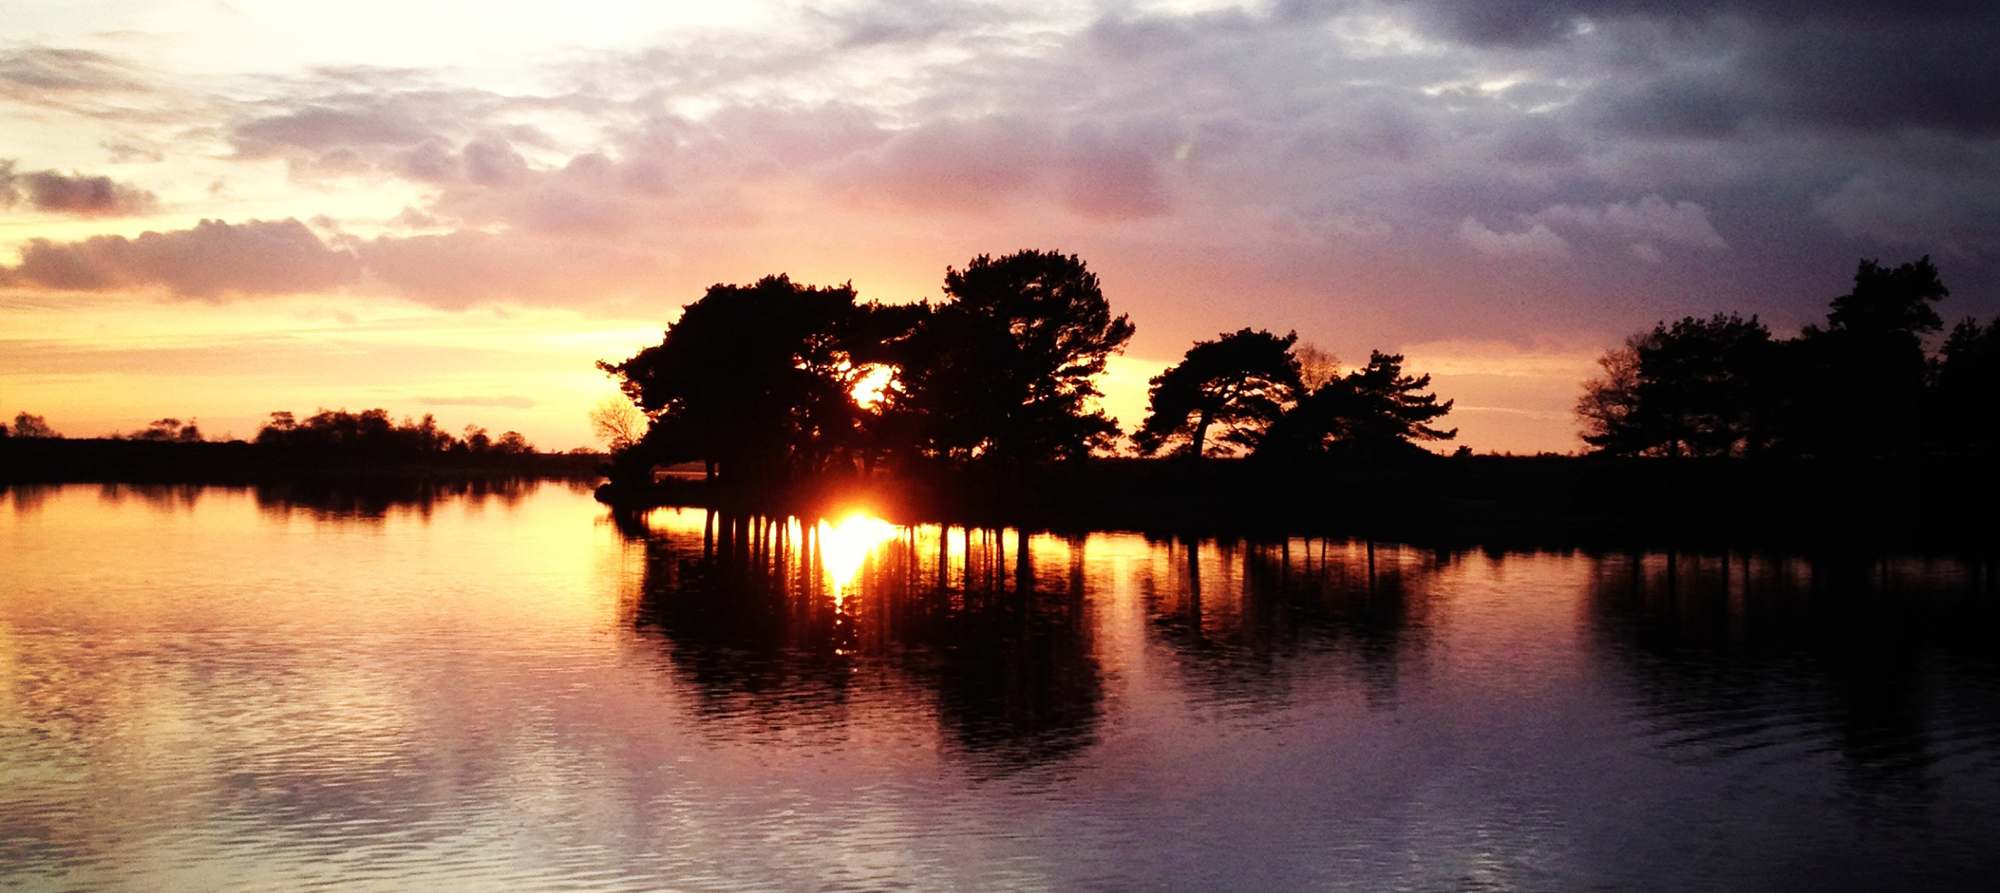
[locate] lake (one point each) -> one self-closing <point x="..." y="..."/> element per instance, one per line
<point x="507" y="688"/>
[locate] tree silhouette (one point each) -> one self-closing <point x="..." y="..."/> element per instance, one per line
<point x="1697" y="388"/>
<point x="1375" y="411"/>
<point x="618" y="423"/>
<point x="1858" y="387"/>
<point x="1966" y="403"/>
<point x="1891" y="300"/>
<point x="1241" y="382"/>
<point x="26" y="425"/>
<point x="753" y="380"/>
<point x="1005" y="370"/>
<point x="170" y="430"/>
<point x="368" y="434"/>
<point x="1859" y="383"/>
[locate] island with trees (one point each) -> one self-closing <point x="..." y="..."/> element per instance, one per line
<point x="979" y="409"/>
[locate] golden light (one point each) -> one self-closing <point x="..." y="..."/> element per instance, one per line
<point x="873" y="383"/>
<point x="843" y="547"/>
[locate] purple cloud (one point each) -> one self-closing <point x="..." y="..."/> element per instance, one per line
<point x="210" y="261"/>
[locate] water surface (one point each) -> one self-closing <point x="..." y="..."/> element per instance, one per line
<point x="228" y="689"/>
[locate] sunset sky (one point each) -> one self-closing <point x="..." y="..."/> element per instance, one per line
<point x="220" y="209"/>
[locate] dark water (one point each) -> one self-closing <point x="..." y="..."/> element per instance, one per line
<point x="210" y="689"/>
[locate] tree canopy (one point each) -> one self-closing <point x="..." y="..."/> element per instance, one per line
<point x="1006" y="370"/>
<point x="1696" y="388"/>
<point x="1861" y="386"/>
<point x="1241" y="382"/>
<point x="759" y="381"/>
<point x="29" y="425"/>
<point x="756" y="376"/>
<point x="1375" y="411"/>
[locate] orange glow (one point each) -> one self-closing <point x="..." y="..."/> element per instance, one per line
<point x="872" y="385"/>
<point x="845" y="546"/>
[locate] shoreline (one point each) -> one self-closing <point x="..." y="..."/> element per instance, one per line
<point x="1499" y="501"/>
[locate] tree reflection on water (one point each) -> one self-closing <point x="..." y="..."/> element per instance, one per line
<point x="996" y="635"/>
<point x="1884" y="661"/>
<point x="749" y="611"/>
<point x="1244" y="616"/>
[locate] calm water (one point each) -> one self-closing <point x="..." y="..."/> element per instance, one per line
<point x="213" y="689"/>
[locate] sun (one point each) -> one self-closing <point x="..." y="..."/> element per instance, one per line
<point x="873" y="384"/>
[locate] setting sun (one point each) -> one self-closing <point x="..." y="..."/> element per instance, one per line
<point x="872" y="385"/>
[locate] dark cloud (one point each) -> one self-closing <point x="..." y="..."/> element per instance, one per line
<point x="72" y="194"/>
<point x="212" y="260"/>
<point x="1305" y="137"/>
<point x="1522" y="23"/>
<point x="1942" y="76"/>
<point x="1675" y="107"/>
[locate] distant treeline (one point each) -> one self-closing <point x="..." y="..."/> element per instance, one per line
<point x="776" y="383"/>
<point x="1861" y="386"/>
<point x="329" y="442"/>
<point x="370" y="432"/>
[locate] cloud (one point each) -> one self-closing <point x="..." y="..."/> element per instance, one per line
<point x="1538" y="241"/>
<point x="53" y="70"/>
<point x="212" y="260"/>
<point x="1956" y="214"/>
<point x="906" y="23"/>
<point x="1098" y="171"/>
<point x="954" y="164"/>
<point x="1287" y="141"/>
<point x="72" y="194"/>
<point x="1650" y="218"/>
<point x="357" y="119"/>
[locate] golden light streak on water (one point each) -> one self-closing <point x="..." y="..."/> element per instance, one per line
<point x="844" y="546"/>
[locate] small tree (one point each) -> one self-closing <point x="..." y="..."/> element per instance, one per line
<point x="1316" y="366"/>
<point x="1241" y="382"/>
<point x="26" y="425"/>
<point x="618" y="423"/>
<point x="170" y="430"/>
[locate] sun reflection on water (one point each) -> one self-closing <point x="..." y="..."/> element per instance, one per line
<point x="845" y="545"/>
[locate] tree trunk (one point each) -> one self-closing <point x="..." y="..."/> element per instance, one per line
<point x="1200" y="434"/>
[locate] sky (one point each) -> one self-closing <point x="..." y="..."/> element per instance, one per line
<point x="217" y="210"/>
